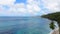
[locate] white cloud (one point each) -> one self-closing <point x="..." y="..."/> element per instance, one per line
<point x="6" y="2"/>
<point x="36" y="8"/>
<point x="31" y="8"/>
<point x="52" y="5"/>
<point x="21" y="9"/>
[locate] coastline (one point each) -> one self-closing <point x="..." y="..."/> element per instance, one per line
<point x="54" y="31"/>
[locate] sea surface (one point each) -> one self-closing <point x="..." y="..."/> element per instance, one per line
<point x="24" y="25"/>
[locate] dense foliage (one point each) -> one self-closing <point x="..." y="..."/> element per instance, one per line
<point x="53" y="17"/>
<point x="52" y="26"/>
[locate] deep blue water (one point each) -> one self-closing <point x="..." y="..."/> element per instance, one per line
<point x="24" y="25"/>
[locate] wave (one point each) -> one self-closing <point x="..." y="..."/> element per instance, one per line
<point x="53" y="30"/>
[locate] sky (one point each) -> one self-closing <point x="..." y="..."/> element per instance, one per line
<point x="28" y="7"/>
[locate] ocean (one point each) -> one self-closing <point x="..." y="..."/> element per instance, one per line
<point x="24" y="25"/>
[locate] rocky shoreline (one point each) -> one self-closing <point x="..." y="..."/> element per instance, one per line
<point x="55" y="31"/>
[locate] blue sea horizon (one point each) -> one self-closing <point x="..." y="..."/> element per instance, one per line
<point x="24" y="25"/>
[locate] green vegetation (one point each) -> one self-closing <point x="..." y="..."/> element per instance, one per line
<point x="52" y="26"/>
<point x="53" y="17"/>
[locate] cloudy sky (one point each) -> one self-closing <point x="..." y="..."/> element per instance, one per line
<point x="28" y="7"/>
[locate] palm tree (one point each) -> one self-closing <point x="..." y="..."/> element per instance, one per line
<point x="53" y="17"/>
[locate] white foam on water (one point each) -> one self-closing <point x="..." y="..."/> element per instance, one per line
<point x="53" y="30"/>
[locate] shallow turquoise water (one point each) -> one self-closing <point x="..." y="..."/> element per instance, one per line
<point x="24" y="25"/>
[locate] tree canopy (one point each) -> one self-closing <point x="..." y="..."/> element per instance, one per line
<point x="52" y="16"/>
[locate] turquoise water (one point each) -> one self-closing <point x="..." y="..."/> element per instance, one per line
<point x="24" y="25"/>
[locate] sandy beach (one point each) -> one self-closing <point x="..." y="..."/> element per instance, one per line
<point x="55" y="31"/>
